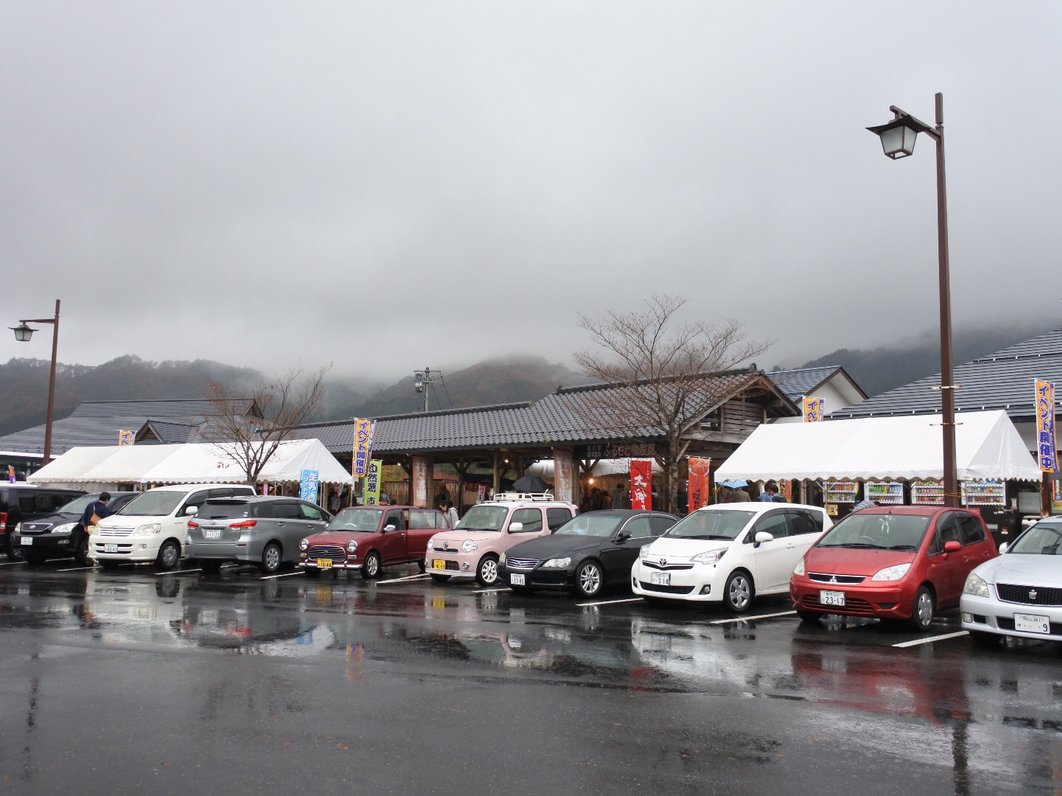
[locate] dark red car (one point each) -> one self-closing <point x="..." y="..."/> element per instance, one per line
<point x="898" y="563"/>
<point x="371" y="537"/>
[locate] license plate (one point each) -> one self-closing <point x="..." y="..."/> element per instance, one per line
<point x="324" y="563"/>
<point x="831" y="598"/>
<point x="1032" y="623"/>
<point x="110" y="548"/>
<point x="516" y="580"/>
<point x="208" y="534"/>
<point x="660" y="578"/>
<point x="27" y="541"/>
<point x="438" y="563"/>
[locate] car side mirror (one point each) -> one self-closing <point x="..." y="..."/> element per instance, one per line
<point x="190" y="510"/>
<point x="515" y="527"/>
<point x="1004" y="547"/>
<point x="952" y="547"/>
<point x="623" y="536"/>
<point x="761" y="537"/>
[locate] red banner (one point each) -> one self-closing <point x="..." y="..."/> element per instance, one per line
<point x="697" y="492"/>
<point x="641" y="484"/>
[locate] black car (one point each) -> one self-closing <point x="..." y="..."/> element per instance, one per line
<point x="20" y="501"/>
<point x="587" y="553"/>
<point x="60" y="534"/>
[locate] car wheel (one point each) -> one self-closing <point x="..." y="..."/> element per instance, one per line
<point x="738" y="592"/>
<point x="422" y="567"/>
<point x="370" y="568"/>
<point x="312" y="572"/>
<point x="211" y="565"/>
<point x="984" y="640"/>
<point x="270" y="559"/>
<point x="808" y="616"/>
<point x="168" y="555"/>
<point x="13" y="553"/>
<point x="440" y="578"/>
<point x="589" y="578"/>
<point x="487" y="570"/>
<point x="922" y="615"/>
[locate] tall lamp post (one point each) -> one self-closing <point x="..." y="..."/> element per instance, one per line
<point x="23" y="332"/>
<point x="898" y="140"/>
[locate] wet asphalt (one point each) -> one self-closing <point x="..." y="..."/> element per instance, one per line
<point x="132" y="682"/>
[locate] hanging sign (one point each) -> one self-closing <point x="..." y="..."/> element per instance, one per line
<point x="308" y="485"/>
<point x="370" y="488"/>
<point x="125" y="437"/>
<point x="814" y="408"/>
<point x="697" y="491"/>
<point x="641" y="484"/>
<point x="363" y="431"/>
<point x="1046" y="452"/>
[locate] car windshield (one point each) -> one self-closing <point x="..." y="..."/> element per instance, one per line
<point x="78" y="504"/>
<point x="710" y="524"/>
<point x="878" y="531"/>
<point x="1041" y="539"/>
<point x="483" y="518"/>
<point x="358" y="520"/>
<point x="590" y="525"/>
<point x="152" y="504"/>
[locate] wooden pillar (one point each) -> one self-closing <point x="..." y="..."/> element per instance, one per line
<point x="495" y="472"/>
<point x="422" y="472"/>
<point x="564" y="477"/>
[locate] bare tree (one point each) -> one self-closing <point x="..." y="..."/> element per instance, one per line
<point x="670" y="374"/>
<point x="280" y="406"/>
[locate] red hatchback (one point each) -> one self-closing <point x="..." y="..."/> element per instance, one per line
<point x="897" y="563"/>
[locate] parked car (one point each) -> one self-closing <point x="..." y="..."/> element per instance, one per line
<point x="586" y="554"/>
<point x="21" y="501"/>
<point x="728" y="553"/>
<point x="1019" y="593"/>
<point x="256" y="529"/>
<point x="369" y="538"/>
<point x="896" y="563"/>
<point x="61" y="534"/>
<point x="154" y="526"/>
<point x="473" y="548"/>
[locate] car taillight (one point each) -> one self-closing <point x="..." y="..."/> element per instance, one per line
<point x="243" y="524"/>
<point x="3" y="521"/>
<point x="193" y="524"/>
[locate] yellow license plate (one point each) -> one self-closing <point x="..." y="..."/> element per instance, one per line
<point x="324" y="563"/>
<point x="438" y="563"/>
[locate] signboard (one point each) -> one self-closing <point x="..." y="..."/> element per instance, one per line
<point x="308" y="485"/>
<point x="697" y="492"/>
<point x="641" y="484"/>
<point x="126" y="437"/>
<point x="370" y="488"/>
<point x="363" y="431"/>
<point x="11" y="473"/>
<point x="613" y="450"/>
<point x="1046" y="452"/>
<point x="813" y="409"/>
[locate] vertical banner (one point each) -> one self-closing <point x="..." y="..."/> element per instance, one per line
<point x="813" y="408"/>
<point x="370" y="489"/>
<point x="125" y="437"/>
<point x="363" y="430"/>
<point x="1046" y="452"/>
<point x="308" y="485"/>
<point x="641" y="484"/>
<point x="697" y="491"/>
<point x="11" y="473"/>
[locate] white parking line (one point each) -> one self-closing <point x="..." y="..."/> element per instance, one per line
<point x="490" y="591"/>
<point x="750" y="618"/>
<point x="74" y="569"/>
<point x="422" y="576"/>
<point x="610" y="602"/>
<point x="930" y="639"/>
<point x="11" y="563"/>
<point x="283" y="575"/>
<point x="177" y="572"/>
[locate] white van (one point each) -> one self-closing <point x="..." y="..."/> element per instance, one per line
<point x="154" y="526"/>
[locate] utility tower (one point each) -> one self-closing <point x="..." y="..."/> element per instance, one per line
<point x="422" y="384"/>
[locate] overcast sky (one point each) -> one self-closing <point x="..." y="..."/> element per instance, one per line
<point x="389" y="185"/>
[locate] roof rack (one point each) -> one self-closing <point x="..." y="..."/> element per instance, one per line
<point x="512" y="497"/>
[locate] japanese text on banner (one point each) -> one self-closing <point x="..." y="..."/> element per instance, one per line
<point x="1046" y="451"/>
<point x="697" y="491"/>
<point x="308" y="485"/>
<point x="641" y="484"/>
<point x="125" y="437"/>
<point x="363" y="431"/>
<point x="370" y="489"/>
<point x="813" y="409"/>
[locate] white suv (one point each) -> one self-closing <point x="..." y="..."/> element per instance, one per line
<point x="154" y="525"/>
<point x="488" y="529"/>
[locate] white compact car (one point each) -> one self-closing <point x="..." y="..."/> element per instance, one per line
<point x="1018" y="593"/>
<point x="728" y="553"/>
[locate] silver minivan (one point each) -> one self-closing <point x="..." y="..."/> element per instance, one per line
<point x="262" y="530"/>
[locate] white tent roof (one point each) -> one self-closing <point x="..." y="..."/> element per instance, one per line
<point x="186" y="464"/>
<point x="987" y="446"/>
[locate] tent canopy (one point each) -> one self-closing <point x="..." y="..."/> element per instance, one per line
<point x="987" y="446"/>
<point x="186" y="464"/>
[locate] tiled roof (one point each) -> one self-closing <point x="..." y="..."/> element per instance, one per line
<point x="798" y="382"/>
<point x="1003" y="380"/>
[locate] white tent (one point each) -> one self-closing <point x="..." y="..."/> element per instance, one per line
<point x="186" y="464"/>
<point x="987" y="446"/>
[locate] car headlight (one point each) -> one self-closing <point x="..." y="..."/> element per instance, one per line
<point x="558" y="563"/>
<point x="644" y="552"/>
<point x="352" y="546"/>
<point x="975" y="585"/>
<point x="429" y="544"/>
<point x="304" y="544"/>
<point x="468" y="545"/>
<point x="64" y="529"/>
<point x="149" y="529"/>
<point x="709" y="556"/>
<point x="501" y="560"/>
<point x="18" y="528"/>
<point x="799" y="568"/>
<point x="892" y="573"/>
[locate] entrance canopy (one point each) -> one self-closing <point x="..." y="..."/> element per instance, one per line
<point x="987" y="446"/>
<point x="186" y="464"/>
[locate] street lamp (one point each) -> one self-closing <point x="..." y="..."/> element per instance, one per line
<point x="897" y="140"/>
<point x="23" y="332"/>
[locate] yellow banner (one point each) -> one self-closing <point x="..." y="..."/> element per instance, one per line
<point x="363" y="429"/>
<point x="1046" y="451"/>
<point x="813" y="409"/>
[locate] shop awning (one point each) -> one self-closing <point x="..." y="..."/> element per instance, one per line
<point x="987" y="446"/>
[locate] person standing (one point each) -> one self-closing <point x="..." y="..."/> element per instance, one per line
<point x="447" y="508"/>
<point x="619" y="497"/>
<point x="93" y="513"/>
<point x="770" y="493"/>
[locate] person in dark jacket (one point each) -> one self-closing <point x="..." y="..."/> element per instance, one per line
<point x="94" y="512"/>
